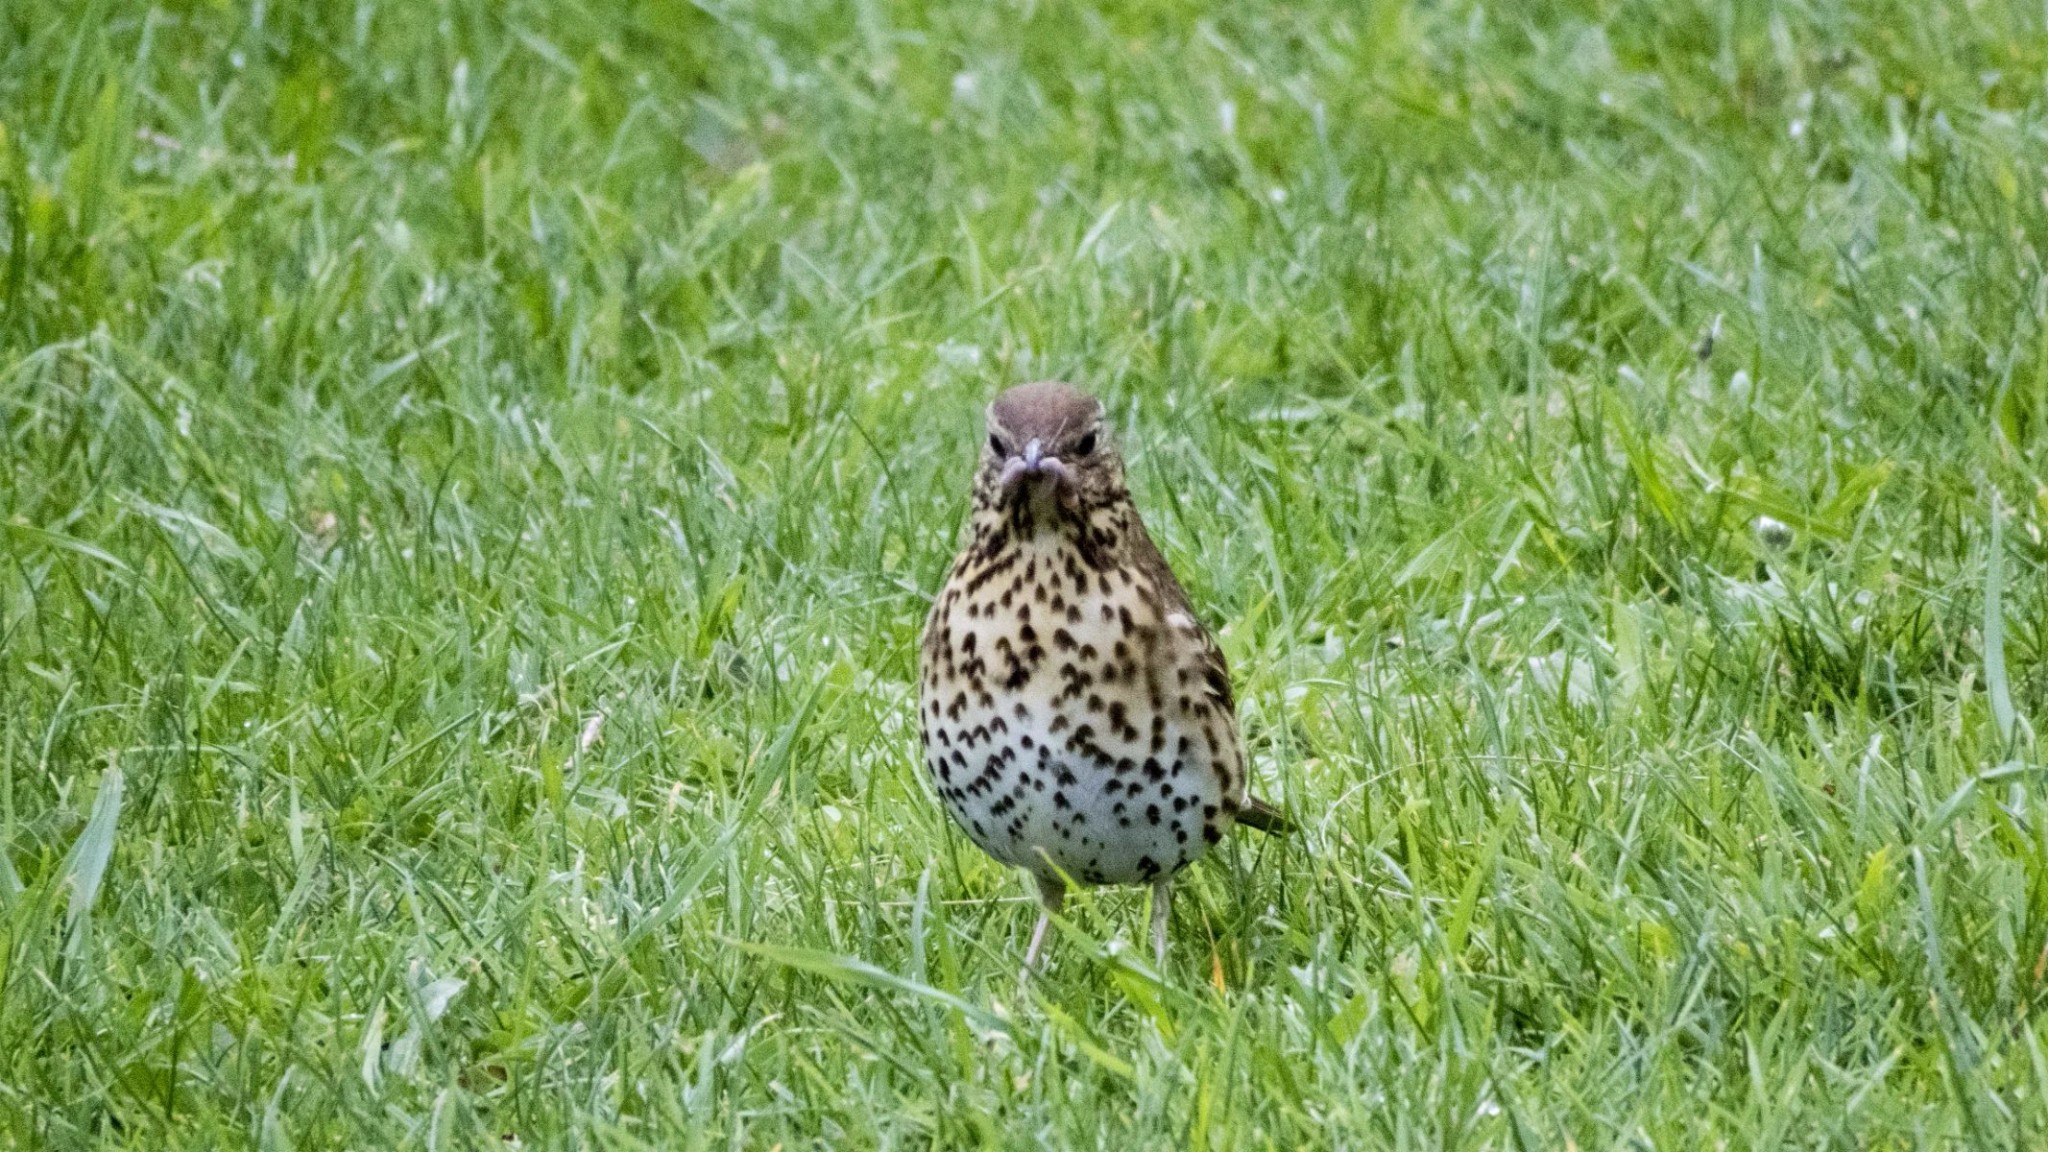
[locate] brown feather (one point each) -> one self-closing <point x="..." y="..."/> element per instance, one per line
<point x="1258" y="814"/>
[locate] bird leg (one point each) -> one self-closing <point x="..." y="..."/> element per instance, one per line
<point x="1052" y="894"/>
<point x="1162" y="907"/>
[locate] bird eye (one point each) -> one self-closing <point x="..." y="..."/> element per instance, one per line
<point x="1085" y="445"/>
<point x="995" y="445"/>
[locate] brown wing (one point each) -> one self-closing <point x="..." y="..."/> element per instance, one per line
<point x="1215" y="673"/>
<point x="1255" y="813"/>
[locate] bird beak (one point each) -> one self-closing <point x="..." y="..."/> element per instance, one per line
<point x="1033" y="464"/>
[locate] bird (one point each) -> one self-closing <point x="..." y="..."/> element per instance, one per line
<point x="1077" y="720"/>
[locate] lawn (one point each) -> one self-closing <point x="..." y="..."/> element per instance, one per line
<point x="472" y="476"/>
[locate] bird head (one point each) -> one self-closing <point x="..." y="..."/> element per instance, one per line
<point x="1046" y="449"/>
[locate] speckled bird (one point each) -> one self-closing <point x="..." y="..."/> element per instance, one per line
<point x="1077" y="719"/>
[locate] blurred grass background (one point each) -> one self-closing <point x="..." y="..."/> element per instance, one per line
<point x="472" y="474"/>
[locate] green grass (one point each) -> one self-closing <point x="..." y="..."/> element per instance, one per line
<point x="471" y="477"/>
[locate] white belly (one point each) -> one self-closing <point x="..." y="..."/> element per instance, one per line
<point x="1071" y="813"/>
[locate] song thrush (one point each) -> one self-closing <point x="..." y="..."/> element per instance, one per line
<point x="1077" y="719"/>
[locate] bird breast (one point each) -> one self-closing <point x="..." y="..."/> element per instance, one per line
<point x="1063" y="726"/>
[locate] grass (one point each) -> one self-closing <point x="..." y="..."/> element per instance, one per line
<point x="471" y="476"/>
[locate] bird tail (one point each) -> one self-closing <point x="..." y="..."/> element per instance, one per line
<point x="1256" y="813"/>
